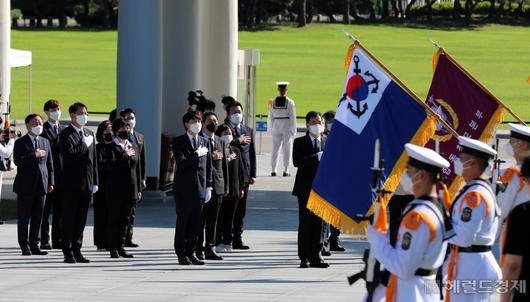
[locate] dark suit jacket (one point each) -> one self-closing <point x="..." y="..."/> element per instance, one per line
<point x="34" y="175"/>
<point x="80" y="170"/>
<point x="123" y="182"/>
<point x="141" y="151"/>
<point x="248" y="151"/>
<point x="53" y="138"/>
<point x="192" y="173"/>
<point x="235" y="172"/>
<point x="306" y="160"/>
<point x="219" y="167"/>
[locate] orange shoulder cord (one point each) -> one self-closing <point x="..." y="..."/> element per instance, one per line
<point x="473" y="199"/>
<point x="391" y="289"/>
<point x="509" y="174"/>
<point x="452" y="272"/>
<point x="413" y="219"/>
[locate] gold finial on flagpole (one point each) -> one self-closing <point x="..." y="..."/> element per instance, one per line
<point x="352" y="38"/>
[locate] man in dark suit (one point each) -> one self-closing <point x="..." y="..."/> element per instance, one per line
<point x="307" y="151"/>
<point x="137" y="139"/>
<point x="192" y="186"/>
<point x="32" y="155"/>
<point x="210" y="211"/>
<point x="51" y="131"/>
<point x="244" y="141"/>
<point x="79" y="181"/>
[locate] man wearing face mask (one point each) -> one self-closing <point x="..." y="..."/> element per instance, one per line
<point x="475" y="218"/>
<point x="516" y="271"/>
<point x="137" y="139"/>
<point x="32" y="155"/>
<point x="192" y="186"/>
<point x="210" y="211"/>
<point x="307" y="151"/>
<point x="420" y="248"/>
<point x="282" y="117"/>
<point x="244" y="141"/>
<point x="51" y="131"/>
<point x="79" y="181"/>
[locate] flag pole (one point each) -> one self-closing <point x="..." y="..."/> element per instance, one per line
<point x="444" y="52"/>
<point x="356" y="43"/>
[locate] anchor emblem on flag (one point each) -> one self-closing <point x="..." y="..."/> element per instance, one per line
<point x="358" y="89"/>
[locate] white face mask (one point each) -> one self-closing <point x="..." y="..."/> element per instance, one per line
<point x="459" y="166"/>
<point x="81" y="119"/>
<point x="509" y="150"/>
<point x="329" y="126"/>
<point x="37" y="130"/>
<point x="236" y="118"/>
<point x="195" y="127"/>
<point x="407" y="183"/>
<point x="316" y="129"/>
<point x="55" y="115"/>
<point x="132" y="123"/>
<point x="227" y="138"/>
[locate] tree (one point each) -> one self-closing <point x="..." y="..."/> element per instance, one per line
<point x="457" y="10"/>
<point x="302" y="13"/>
<point x="347" y="12"/>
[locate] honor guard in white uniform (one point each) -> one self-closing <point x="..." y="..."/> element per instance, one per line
<point x="513" y="193"/>
<point x="471" y="269"/>
<point x="282" y="121"/>
<point x="421" y="244"/>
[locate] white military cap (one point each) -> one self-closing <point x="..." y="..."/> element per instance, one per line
<point x="475" y="147"/>
<point x="425" y="158"/>
<point x="520" y="132"/>
<point x="283" y="83"/>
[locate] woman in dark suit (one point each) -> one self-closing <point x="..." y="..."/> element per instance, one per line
<point x="104" y="138"/>
<point x="123" y="186"/>
<point x="236" y="184"/>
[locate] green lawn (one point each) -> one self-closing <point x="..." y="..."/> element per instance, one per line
<point x="81" y="65"/>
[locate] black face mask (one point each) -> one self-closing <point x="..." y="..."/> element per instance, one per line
<point x="107" y="137"/>
<point x="211" y="127"/>
<point x="123" y="134"/>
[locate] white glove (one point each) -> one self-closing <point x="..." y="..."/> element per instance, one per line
<point x="88" y="140"/>
<point x="94" y="189"/>
<point x="320" y="155"/>
<point x="207" y="194"/>
<point x="202" y="151"/>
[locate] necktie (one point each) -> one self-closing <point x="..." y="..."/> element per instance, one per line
<point x="81" y="134"/>
<point x="316" y="145"/>
<point x="36" y="144"/>
<point x="194" y="140"/>
<point x="55" y="129"/>
<point x="212" y="145"/>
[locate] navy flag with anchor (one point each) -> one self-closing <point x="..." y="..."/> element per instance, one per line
<point x="372" y="105"/>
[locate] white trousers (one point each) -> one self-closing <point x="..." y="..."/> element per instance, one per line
<point x="283" y="141"/>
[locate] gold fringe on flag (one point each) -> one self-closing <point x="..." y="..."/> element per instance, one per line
<point x="349" y="55"/>
<point x="329" y="213"/>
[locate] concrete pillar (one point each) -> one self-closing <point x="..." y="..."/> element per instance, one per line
<point x="218" y="49"/>
<point x="181" y="61"/>
<point x="140" y="71"/>
<point x="5" y="47"/>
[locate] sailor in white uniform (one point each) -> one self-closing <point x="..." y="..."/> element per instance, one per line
<point x="282" y="121"/>
<point x="421" y="244"/>
<point x="471" y="269"/>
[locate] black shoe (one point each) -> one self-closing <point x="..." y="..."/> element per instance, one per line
<point x="212" y="255"/>
<point x="124" y="254"/>
<point x="240" y="246"/>
<point x="326" y="253"/>
<point x="273" y="173"/>
<point x="26" y="252"/>
<point x="37" y="251"/>
<point x="2" y="222"/>
<point x="337" y="248"/>
<point x="129" y="243"/>
<point x="195" y="261"/>
<point x="79" y="258"/>
<point x="184" y="261"/>
<point x="318" y="264"/>
<point x="199" y="255"/>
<point x="45" y="246"/>
<point x="114" y="253"/>
<point x="286" y="174"/>
<point x="69" y="258"/>
<point x="303" y="264"/>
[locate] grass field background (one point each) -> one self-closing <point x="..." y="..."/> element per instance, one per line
<point x="81" y="65"/>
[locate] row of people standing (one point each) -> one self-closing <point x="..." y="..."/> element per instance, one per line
<point x="57" y="173"/>
<point x="215" y="164"/>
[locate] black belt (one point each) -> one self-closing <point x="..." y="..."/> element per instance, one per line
<point x="423" y="272"/>
<point x="281" y="118"/>
<point x="475" y="249"/>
